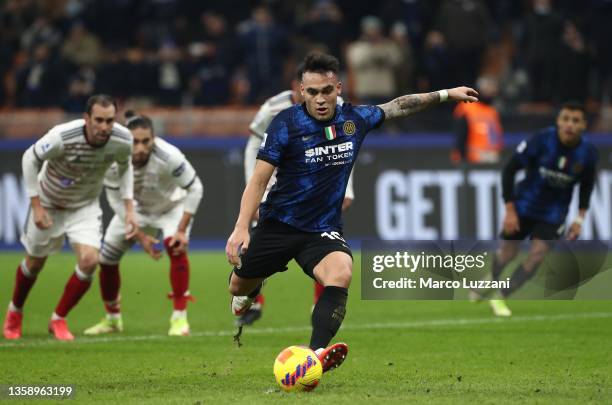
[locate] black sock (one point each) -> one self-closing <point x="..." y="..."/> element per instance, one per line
<point x="254" y="293"/>
<point x="519" y="277"/>
<point x="497" y="268"/>
<point x="327" y="316"/>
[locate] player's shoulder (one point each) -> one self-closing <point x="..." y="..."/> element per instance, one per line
<point x="589" y="147"/>
<point x="69" y="130"/>
<point x="361" y="111"/>
<point x="288" y="115"/>
<point x="121" y="134"/>
<point x="165" y="150"/>
<point x="282" y="99"/>
<point x="545" y="135"/>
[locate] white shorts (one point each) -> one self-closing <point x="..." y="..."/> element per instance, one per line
<point x="115" y="245"/>
<point x="82" y="225"/>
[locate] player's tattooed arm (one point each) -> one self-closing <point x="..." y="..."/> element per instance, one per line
<point x="409" y="104"/>
<point x="413" y="103"/>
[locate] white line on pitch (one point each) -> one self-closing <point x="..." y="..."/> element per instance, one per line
<point x="352" y="327"/>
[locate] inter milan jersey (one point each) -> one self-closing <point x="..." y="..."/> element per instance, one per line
<point x="552" y="171"/>
<point x="314" y="161"/>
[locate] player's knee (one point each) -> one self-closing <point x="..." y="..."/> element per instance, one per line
<point x="88" y="262"/>
<point x="505" y="254"/>
<point x="237" y="287"/>
<point x="340" y="275"/>
<point x="35" y="264"/>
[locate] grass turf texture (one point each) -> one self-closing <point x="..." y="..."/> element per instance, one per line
<point x="419" y="351"/>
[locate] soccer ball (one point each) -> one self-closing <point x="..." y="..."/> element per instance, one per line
<point x="297" y="368"/>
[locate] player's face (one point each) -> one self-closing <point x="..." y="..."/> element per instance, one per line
<point x="320" y="91"/>
<point x="570" y="125"/>
<point x="99" y="124"/>
<point x="143" y="145"/>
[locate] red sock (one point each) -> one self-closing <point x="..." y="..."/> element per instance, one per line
<point x="110" y="281"/>
<point x="179" y="277"/>
<point x="318" y="290"/>
<point x="23" y="285"/>
<point x="75" y="289"/>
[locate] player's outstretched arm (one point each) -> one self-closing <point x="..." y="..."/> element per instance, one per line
<point x="255" y="188"/>
<point x="413" y="103"/>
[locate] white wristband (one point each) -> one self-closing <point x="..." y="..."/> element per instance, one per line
<point x="443" y="95"/>
<point x="579" y="220"/>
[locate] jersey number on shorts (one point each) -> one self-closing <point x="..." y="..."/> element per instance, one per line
<point x="333" y="235"/>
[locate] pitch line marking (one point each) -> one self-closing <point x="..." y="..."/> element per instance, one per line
<point x="349" y="327"/>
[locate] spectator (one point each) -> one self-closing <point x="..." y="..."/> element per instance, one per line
<point x="212" y="60"/>
<point x="39" y="82"/>
<point x="264" y="48"/>
<point x="465" y="26"/>
<point x="478" y="129"/>
<point x="40" y="32"/>
<point x="325" y="27"/>
<point x="574" y="71"/>
<point x="405" y="68"/>
<point x="170" y="75"/>
<point x="81" y="47"/>
<point x="80" y="87"/>
<point x="542" y="32"/>
<point x="372" y="62"/>
<point x="600" y="32"/>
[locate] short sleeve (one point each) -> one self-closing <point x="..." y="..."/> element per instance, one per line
<point x="275" y="140"/>
<point x="182" y="171"/>
<point x="372" y="115"/>
<point x="49" y="146"/>
<point x="261" y="121"/>
<point x="528" y="150"/>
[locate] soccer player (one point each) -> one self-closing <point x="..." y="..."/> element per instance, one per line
<point x="167" y="192"/>
<point x="64" y="198"/>
<point x="258" y="127"/>
<point x="555" y="160"/>
<point x="313" y="146"/>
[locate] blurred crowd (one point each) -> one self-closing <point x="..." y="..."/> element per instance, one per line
<point x="55" y="53"/>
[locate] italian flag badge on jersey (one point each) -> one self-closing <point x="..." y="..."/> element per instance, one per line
<point x="330" y="132"/>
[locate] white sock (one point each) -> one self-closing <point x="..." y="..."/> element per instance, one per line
<point x="176" y="314"/>
<point x="13" y="308"/>
<point x="25" y="271"/>
<point x="318" y="351"/>
<point x="82" y="276"/>
<point x="113" y="316"/>
<point x="56" y="317"/>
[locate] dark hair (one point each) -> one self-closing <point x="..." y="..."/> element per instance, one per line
<point x="133" y="121"/>
<point x="574" y="106"/>
<point x="299" y="71"/>
<point x="320" y="63"/>
<point x="102" y="99"/>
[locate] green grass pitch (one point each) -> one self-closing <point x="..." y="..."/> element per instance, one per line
<point x="400" y="352"/>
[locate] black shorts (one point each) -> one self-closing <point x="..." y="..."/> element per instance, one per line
<point x="274" y="244"/>
<point x="536" y="229"/>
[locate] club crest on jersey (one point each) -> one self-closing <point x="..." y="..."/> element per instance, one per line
<point x="330" y="132"/>
<point x="349" y="128"/>
<point x="562" y="163"/>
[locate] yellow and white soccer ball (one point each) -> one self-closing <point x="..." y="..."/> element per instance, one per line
<point x="297" y="368"/>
